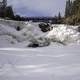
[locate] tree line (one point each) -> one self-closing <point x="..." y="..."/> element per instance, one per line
<point x="72" y="12"/>
<point x="8" y="13"/>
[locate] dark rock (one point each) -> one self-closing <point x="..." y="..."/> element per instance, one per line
<point x="34" y="45"/>
<point x="44" y="27"/>
<point x="18" y="28"/>
<point x="79" y="29"/>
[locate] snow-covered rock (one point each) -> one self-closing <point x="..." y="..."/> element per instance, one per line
<point x="64" y="34"/>
<point x="30" y="34"/>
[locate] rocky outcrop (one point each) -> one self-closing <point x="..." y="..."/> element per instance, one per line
<point x="44" y="27"/>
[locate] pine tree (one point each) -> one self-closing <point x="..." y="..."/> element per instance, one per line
<point x="68" y="8"/>
<point x="59" y="15"/>
<point x="76" y="7"/>
<point x="59" y="18"/>
<point x="72" y="12"/>
<point x="9" y="12"/>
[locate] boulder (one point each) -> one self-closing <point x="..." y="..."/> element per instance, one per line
<point x="79" y="29"/>
<point x="44" y="27"/>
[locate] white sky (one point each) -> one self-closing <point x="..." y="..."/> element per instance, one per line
<point x="38" y="7"/>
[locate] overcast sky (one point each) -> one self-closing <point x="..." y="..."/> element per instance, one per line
<point x="38" y="7"/>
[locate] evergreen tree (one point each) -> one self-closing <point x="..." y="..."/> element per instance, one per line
<point x="9" y="12"/>
<point x="76" y="7"/>
<point x="74" y="17"/>
<point x="68" y="8"/>
<point x="59" y="18"/>
<point x="59" y="15"/>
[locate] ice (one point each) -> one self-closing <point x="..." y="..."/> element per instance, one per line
<point x="64" y="33"/>
<point x="30" y="33"/>
<point x="10" y="35"/>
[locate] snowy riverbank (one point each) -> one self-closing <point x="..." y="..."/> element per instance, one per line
<point x="30" y="32"/>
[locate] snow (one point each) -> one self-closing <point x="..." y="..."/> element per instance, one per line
<point x="53" y="62"/>
<point x="49" y="63"/>
<point x="64" y="33"/>
<point x="10" y="35"/>
<point x="30" y="33"/>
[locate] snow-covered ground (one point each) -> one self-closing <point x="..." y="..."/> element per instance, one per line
<point x="47" y="63"/>
<point x="53" y="62"/>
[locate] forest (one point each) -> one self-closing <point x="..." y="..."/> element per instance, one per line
<point x="72" y="12"/>
<point x="71" y="15"/>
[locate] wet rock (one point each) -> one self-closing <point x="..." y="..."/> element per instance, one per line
<point x="79" y="29"/>
<point x="18" y="28"/>
<point x="34" y="45"/>
<point x="44" y="27"/>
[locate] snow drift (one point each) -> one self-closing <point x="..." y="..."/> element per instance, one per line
<point x="64" y="34"/>
<point x="30" y="35"/>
